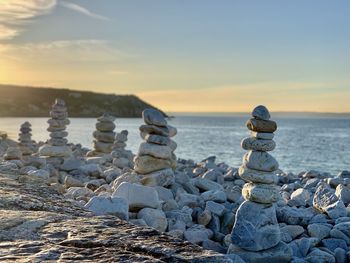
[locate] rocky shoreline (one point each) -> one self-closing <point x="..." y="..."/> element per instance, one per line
<point x="252" y="213"/>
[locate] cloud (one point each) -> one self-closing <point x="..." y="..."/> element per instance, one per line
<point x="15" y="13"/>
<point x="63" y="51"/>
<point x="83" y="10"/>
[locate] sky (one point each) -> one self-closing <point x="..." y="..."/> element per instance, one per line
<point x="184" y="55"/>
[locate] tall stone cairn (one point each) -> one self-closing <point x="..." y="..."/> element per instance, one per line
<point x="26" y="144"/>
<point x="104" y="135"/>
<point x="56" y="146"/>
<point x="157" y="151"/>
<point x="256" y="235"/>
<point x="121" y="157"/>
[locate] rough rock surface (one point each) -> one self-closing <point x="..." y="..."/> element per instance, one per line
<point x="37" y="224"/>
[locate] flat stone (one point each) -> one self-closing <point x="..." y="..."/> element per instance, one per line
<point x="261" y="112"/>
<point x="164" y="177"/>
<point x="55" y="151"/>
<point x="58" y="123"/>
<point x="318" y="256"/>
<point x="214" y="195"/>
<point x="157" y="139"/>
<point x="13" y="153"/>
<point x="255" y="176"/>
<point x="261" y="125"/>
<point x="172" y="131"/>
<point x="58" y="141"/>
<point x="260" y="193"/>
<point x="292" y="230"/>
<point x="197" y="234"/>
<point x="152" y="129"/>
<point x="109" y="206"/>
<point x="300" y="197"/>
<point x="154" y="218"/>
<point x="343" y="193"/>
<point x="147" y="164"/>
<point x="254" y="144"/>
<point x="59" y="134"/>
<point x="104" y="136"/>
<point x="106" y="117"/>
<point x="262" y="135"/>
<point x="105" y="126"/>
<point x="103" y="147"/>
<point x="344" y="228"/>
<point x="206" y="185"/>
<point x="138" y="196"/>
<point x="58" y="115"/>
<point x="215" y="208"/>
<point x="185" y="199"/>
<point x="71" y="164"/>
<point x="333" y="243"/>
<point x="326" y="201"/>
<point x="261" y="161"/>
<point x="320" y="231"/>
<point x="256" y="227"/>
<point x="155" y="150"/>
<point x="279" y="254"/>
<point x="295" y="216"/>
<point x="91" y="169"/>
<point x="154" y="117"/>
<point x="122" y="136"/>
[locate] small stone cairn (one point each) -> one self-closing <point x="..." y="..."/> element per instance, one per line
<point x="26" y="144"/>
<point x="157" y="152"/>
<point x="256" y="233"/>
<point x="121" y="157"/>
<point x="56" y="149"/>
<point x="104" y="135"/>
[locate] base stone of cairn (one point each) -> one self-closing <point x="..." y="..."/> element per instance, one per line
<point x="104" y="136"/>
<point x="155" y="159"/>
<point x="56" y="149"/>
<point x="256" y="235"/>
<point x="26" y="144"/>
<point x="121" y="157"/>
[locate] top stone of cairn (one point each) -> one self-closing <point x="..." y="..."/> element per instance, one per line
<point x="154" y="117"/>
<point x="261" y="113"/>
<point x="106" y="117"/>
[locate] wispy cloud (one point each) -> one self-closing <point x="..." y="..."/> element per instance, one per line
<point x="15" y="13"/>
<point x="83" y="10"/>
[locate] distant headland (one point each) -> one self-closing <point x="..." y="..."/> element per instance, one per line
<point x="27" y="101"/>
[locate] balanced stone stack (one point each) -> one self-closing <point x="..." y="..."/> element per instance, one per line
<point x="256" y="235"/>
<point x="121" y="157"/>
<point x="56" y="148"/>
<point x="157" y="152"/>
<point x="104" y="135"/>
<point x="26" y="144"/>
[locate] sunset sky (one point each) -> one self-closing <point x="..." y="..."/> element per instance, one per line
<point x="184" y="55"/>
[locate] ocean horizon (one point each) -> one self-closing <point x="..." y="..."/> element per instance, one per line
<point x="302" y="143"/>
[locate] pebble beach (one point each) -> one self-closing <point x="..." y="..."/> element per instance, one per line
<point x="254" y="212"/>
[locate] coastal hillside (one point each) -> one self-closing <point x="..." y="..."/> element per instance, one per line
<point x="21" y="101"/>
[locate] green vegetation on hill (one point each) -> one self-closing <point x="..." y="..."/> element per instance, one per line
<point x="20" y="101"/>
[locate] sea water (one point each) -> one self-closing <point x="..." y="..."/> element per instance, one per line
<point x="302" y="143"/>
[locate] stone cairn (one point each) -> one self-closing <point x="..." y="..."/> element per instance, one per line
<point x="157" y="152"/>
<point x="256" y="229"/>
<point x="56" y="149"/>
<point x="104" y="135"/>
<point x="26" y="144"/>
<point x="121" y="157"/>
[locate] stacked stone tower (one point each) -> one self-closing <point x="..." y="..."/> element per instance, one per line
<point x="104" y="135"/>
<point x="157" y="152"/>
<point x="56" y="148"/>
<point x="26" y="144"/>
<point x="256" y="229"/>
<point x="121" y="157"/>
